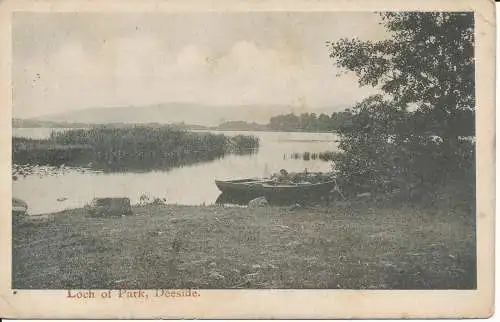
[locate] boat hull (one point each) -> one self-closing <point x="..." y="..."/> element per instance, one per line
<point x="296" y="192"/>
<point x="247" y="189"/>
<point x="243" y="187"/>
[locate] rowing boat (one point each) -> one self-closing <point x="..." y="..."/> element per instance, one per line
<point x="247" y="187"/>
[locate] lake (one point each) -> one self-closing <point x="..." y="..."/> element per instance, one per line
<point x="187" y="185"/>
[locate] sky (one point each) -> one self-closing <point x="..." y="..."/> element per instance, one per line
<point x="69" y="61"/>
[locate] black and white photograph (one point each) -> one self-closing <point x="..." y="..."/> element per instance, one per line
<point x="163" y="154"/>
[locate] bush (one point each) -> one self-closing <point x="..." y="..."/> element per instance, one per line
<point x="383" y="153"/>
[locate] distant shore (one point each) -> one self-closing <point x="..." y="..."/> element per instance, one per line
<point x="304" y="123"/>
<point x="186" y="128"/>
<point x="345" y="246"/>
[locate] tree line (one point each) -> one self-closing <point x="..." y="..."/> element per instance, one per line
<point x="309" y="122"/>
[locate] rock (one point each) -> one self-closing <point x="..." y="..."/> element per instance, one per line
<point x="258" y="202"/>
<point x="250" y="276"/>
<point x="37" y="218"/>
<point x="212" y="264"/>
<point x="19" y="207"/>
<point x="256" y="266"/>
<point x="62" y="199"/>
<point x="104" y="207"/>
<point x="216" y="275"/>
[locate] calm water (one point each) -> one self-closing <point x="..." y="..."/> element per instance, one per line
<point x="189" y="185"/>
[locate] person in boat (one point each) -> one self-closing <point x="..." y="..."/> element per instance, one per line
<point x="282" y="177"/>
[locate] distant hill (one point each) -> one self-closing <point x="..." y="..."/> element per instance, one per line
<point x="35" y="123"/>
<point x="169" y="113"/>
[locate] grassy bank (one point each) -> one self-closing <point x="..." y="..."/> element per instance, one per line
<point x="130" y="148"/>
<point x="349" y="246"/>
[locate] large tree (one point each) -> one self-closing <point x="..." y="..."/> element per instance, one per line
<point x="428" y="61"/>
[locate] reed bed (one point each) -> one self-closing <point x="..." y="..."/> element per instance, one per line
<point x="133" y="148"/>
<point x="242" y="144"/>
<point x="307" y="156"/>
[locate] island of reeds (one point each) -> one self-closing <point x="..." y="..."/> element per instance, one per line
<point x="134" y="148"/>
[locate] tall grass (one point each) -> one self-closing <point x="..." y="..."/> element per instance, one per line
<point x="306" y="156"/>
<point x="138" y="148"/>
<point x="242" y="144"/>
<point x="48" y="152"/>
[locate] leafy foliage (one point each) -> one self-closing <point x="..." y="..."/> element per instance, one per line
<point x="429" y="60"/>
<point x="411" y="137"/>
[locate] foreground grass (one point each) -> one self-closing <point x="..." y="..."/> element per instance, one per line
<point x="343" y="247"/>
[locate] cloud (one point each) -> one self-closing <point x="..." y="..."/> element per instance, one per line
<point x="141" y="70"/>
<point x="69" y="61"/>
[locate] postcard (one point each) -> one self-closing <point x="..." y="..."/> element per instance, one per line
<point x="241" y="159"/>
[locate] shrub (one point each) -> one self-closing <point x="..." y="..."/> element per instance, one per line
<point x="382" y="153"/>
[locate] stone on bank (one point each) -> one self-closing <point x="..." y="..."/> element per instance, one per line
<point x="109" y="207"/>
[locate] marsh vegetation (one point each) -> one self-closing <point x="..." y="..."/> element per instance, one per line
<point x="128" y="149"/>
